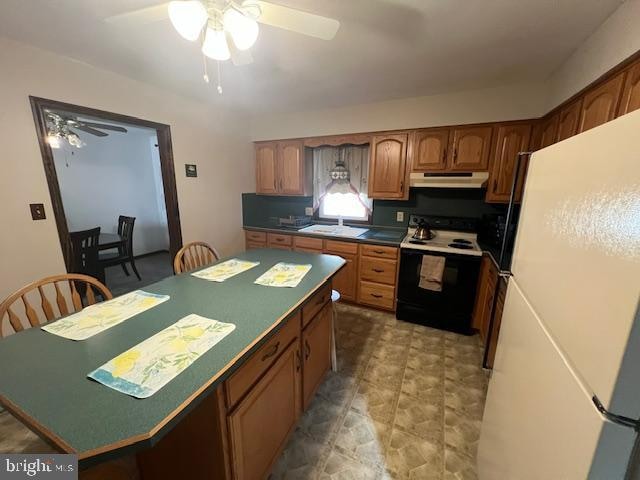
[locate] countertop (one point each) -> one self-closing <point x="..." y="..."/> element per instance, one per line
<point x="47" y="384"/>
<point x="376" y="235"/>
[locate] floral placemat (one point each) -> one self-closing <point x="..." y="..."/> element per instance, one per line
<point x="144" y="369"/>
<point x="101" y="316"/>
<point x="283" y="275"/>
<point x="221" y="271"/>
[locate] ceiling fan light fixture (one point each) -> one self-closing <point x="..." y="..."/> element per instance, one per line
<point x="54" y="140"/>
<point x="215" y="45"/>
<point x="188" y="18"/>
<point x="243" y="30"/>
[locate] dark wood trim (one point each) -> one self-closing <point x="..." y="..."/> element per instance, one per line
<point x="163" y="132"/>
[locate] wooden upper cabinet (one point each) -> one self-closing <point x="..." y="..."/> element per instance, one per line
<point x="600" y="104"/>
<point x="470" y="148"/>
<point x="568" y="120"/>
<point x="388" y="166"/>
<point x="546" y="132"/>
<point x="266" y="168"/>
<point x="291" y="168"/>
<point x="631" y="93"/>
<point x="510" y="140"/>
<point x="429" y="149"/>
<point x="282" y="168"/>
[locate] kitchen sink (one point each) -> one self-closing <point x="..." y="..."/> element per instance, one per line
<point x="334" y="230"/>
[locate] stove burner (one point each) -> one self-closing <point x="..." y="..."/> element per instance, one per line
<point x="462" y="246"/>
<point x="417" y="242"/>
<point x="461" y="240"/>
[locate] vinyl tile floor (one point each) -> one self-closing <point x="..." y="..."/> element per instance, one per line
<point x="406" y="403"/>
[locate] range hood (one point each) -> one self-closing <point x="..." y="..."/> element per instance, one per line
<point x="449" y="180"/>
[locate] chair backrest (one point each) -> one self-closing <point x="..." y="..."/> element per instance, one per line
<point x="84" y="251"/>
<point x="194" y="255"/>
<point x="125" y="230"/>
<point x="50" y="298"/>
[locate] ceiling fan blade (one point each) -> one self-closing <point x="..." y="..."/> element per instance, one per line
<point x="141" y="16"/>
<point x="298" y="21"/>
<point x="104" y="126"/>
<point x="238" y="57"/>
<point x="90" y="130"/>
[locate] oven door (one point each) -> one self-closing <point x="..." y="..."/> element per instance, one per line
<point x="449" y="309"/>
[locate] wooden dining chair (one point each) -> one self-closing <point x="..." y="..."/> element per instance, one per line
<point x="83" y="247"/>
<point x="51" y="298"/>
<point x="125" y="249"/>
<point x="194" y="255"/>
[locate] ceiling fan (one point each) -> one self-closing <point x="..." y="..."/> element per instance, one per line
<point x="61" y="127"/>
<point x="227" y="29"/>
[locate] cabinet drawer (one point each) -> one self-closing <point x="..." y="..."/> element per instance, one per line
<point x="377" y="295"/>
<point x="315" y="303"/>
<point x="251" y="245"/>
<point x="331" y="246"/>
<point x="259" y="237"/>
<point x="306" y="243"/>
<point x="379" y="251"/>
<point x="259" y="362"/>
<point x="278" y="239"/>
<point x="378" y="270"/>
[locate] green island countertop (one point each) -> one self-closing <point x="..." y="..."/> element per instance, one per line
<point x="44" y="380"/>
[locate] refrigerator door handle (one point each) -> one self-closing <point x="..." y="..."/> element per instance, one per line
<point x="612" y="417"/>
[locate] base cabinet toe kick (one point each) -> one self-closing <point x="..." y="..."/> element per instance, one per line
<point x="238" y="431"/>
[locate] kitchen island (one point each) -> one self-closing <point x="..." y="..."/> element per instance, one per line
<point x="227" y="416"/>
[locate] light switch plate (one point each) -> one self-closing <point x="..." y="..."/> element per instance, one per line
<point x="308" y="211"/>
<point x="399" y="216"/>
<point x="37" y="211"/>
<point x="191" y="170"/>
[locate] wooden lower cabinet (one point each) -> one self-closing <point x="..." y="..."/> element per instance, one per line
<point x="346" y="280"/>
<point x="483" y="308"/>
<point x="262" y="422"/>
<point x="316" y="352"/>
<point x="495" y="324"/>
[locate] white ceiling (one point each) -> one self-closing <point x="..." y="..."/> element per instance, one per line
<point x="384" y="49"/>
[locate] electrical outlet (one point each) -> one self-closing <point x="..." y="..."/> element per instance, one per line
<point x="308" y="211"/>
<point x="399" y="216"/>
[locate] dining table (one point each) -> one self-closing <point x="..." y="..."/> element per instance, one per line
<point x="44" y="380"/>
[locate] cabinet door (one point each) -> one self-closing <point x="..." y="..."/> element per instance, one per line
<point x="600" y="104"/>
<point x="631" y="94"/>
<point x="495" y="325"/>
<point x="387" y="166"/>
<point x="291" y="168"/>
<point x="568" y="121"/>
<point x="346" y="280"/>
<point x="429" y="150"/>
<point x="316" y="351"/>
<point x="266" y="168"/>
<point x="261" y="423"/>
<point x="546" y="132"/>
<point x="470" y="148"/>
<point x="510" y="140"/>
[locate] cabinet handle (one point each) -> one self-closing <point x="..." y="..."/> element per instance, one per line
<point x="375" y="295"/>
<point x="495" y="184"/>
<point x="455" y="154"/>
<point x="401" y="186"/>
<point x="298" y="361"/>
<point x="377" y="270"/>
<point x="379" y="252"/>
<point x="307" y="350"/>
<point x="271" y="352"/>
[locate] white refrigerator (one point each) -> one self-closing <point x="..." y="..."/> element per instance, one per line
<point x="564" y="396"/>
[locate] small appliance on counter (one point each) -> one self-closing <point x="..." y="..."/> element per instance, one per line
<point x="439" y="265"/>
<point x="294" y="221"/>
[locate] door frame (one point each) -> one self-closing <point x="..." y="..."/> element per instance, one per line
<point x="167" y="168"/>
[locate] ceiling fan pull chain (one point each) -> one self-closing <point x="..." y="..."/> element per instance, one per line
<point x="219" y="79"/>
<point x="206" y="73"/>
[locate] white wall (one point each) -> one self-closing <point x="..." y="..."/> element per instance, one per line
<point x="511" y="102"/>
<point x="214" y="139"/>
<point x="112" y="176"/>
<point x="615" y="40"/>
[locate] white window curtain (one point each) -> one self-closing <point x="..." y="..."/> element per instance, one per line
<point x="356" y="160"/>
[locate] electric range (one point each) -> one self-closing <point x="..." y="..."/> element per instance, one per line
<point x="438" y="277"/>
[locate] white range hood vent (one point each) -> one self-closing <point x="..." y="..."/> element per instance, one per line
<point x="449" y="180"/>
